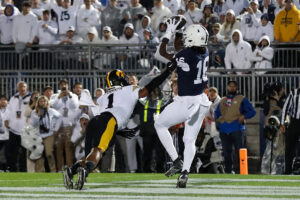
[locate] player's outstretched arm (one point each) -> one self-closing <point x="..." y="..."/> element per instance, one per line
<point x="171" y="66"/>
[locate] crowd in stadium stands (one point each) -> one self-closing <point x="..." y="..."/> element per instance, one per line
<point x="65" y="22"/>
<point x="61" y="118"/>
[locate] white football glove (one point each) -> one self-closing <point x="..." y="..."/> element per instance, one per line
<point x="171" y="28"/>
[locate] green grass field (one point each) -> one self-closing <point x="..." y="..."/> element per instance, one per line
<point x="150" y="186"/>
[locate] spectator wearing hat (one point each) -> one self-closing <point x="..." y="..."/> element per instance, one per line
<point x="229" y="25"/>
<point x="266" y="28"/>
<point x="78" y="136"/>
<point x="107" y="59"/>
<point x="129" y="37"/>
<point x="47" y="29"/>
<point x="16" y="7"/>
<point x="230" y="117"/>
<point x="133" y="14"/>
<point x="237" y="52"/>
<point x="87" y="17"/>
<point x="286" y="28"/>
<point x="268" y="8"/>
<point x="65" y="102"/>
<point x="48" y="121"/>
<point x="91" y="36"/>
<point x="24" y="27"/>
<point x="111" y="17"/>
<point x="193" y="14"/>
<point x="48" y="91"/>
<point x="15" y="121"/>
<point x="71" y="37"/>
<point x="215" y="37"/>
<point x="160" y="12"/>
<point x="208" y="18"/>
<point x="66" y="14"/>
<point x="263" y="55"/>
<point x="237" y="6"/>
<point x="251" y="22"/>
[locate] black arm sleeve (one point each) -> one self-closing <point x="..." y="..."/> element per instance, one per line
<point x="171" y="66"/>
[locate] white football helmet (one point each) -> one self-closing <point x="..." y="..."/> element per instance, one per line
<point x="195" y="35"/>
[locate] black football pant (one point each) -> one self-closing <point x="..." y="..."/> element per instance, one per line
<point x="16" y="160"/>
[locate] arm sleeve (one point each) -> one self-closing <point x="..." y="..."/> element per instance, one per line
<point x="34" y="29"/>
<point x="94" y="18"/>
<point x="254" y="58"/>
<point x="73" y="101"/>
<point x="53" y="28"/>
<point x="54" y="6"/>
<point x="247" y="109"/>
<point x="15" y="30"/>
<point x="34" y="119"/>
<point x="54" y="101"/>
<point x="217" y="112"/>
<point x="268" y="53"/>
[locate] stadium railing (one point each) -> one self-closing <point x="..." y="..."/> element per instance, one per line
<point x="46" y="65"/>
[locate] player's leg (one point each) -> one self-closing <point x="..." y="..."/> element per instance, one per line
<point x="192" y="128"/>
<point x="105" y="133"/>
<point x="173" y="114"/>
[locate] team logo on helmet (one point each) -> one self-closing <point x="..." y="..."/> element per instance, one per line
<point x="116" y="78"/>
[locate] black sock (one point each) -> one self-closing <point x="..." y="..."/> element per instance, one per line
<point x="75" y="167"/>
<point x="89" y="166"/>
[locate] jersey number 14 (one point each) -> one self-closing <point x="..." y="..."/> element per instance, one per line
<point x="202" y="68"/>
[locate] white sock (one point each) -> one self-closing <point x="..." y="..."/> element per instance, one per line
<point x="166" y="140"/>
<point x="189" y="154"/>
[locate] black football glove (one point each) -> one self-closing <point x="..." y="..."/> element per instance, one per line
<point x="128" y="133"/>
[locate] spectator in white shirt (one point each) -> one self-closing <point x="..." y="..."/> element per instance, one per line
<point x="65" y="102"/>
<point x="266" y="28"/>
<point x="71" y="37"/>
<point x="128" y="60"/>
<point x="47" y="29"/>
<point x="229" y="25"/>
<point x="11" y="2"/>
<point x="219" y="7"/>
<point x="15" y="121"/>
<point x="160" y="12"/>
<point x="251" y="22"/>
<point x="145" y="23"/>
<point x="173" y="5"/>
<point x="6" y="24"/>
<point x="263" y="55"/>
<point x="66" y="14"/>
<point x="237" y="5"/>
<point x="87" y="17"/>
<point x="24" y="27"/>
<point x="280" y="4"/>
<point x="45" y="4"/>
<point x="238" y="53"/>
<point x="91" y="37"/>
<point x="36" y="9"/>
<point x="193" y="14"/>
<point x="111" y="17"/>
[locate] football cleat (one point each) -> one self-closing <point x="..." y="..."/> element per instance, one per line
<point x="82" y="174"/>
<point x="68" y="177"/>
<point x="182" y="179"/>
<point x="177" y="166"/>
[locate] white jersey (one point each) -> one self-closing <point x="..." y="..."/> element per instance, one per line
<point x="120" y="103"/>
<point x="66" y="17"/>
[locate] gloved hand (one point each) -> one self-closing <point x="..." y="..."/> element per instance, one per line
<point x="171" y="28"/>
<point x="127" y="133"/>
<point x="171" y="66"/>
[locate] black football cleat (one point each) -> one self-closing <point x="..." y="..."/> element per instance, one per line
<point x="68" y="177"/>
<point x="182" y="179"/>
<point x="177" y="166"/>
<point x="82" y="174"/>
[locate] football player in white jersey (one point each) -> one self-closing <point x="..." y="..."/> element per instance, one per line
<point x="117" y="106"/>
<point x="192" y="103"/>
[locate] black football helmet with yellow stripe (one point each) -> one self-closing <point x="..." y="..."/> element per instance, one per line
<point x="116" y="78"/>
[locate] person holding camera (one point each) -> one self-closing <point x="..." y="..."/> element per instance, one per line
<point x="292" y="135"/>
<point x="15" y="121"/>
<point x="48" y="120"/>
<point x="65" y="102"/>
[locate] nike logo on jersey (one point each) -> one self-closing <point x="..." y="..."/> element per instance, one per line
<point x="181" y="63"/>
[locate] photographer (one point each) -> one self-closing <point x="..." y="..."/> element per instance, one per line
<point x="48" y="121"/>
<point x="274" y="151"/>
<point x="65" y="102"/>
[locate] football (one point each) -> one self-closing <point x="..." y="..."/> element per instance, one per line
<point x="177" y="18"/>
